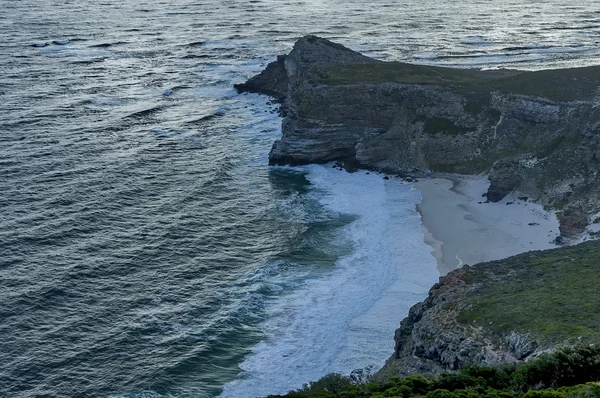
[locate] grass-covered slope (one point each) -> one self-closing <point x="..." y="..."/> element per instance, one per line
<point x="445" y="348"/>
<point x="503" y="311"/>
<point x="565" y="373"/>
<point x="576" y="84"/>
<point x="554" y="295"/>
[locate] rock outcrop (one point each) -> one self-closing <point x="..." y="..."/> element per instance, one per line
<point x="534" y="132"/>
<point x="501" y="312"/>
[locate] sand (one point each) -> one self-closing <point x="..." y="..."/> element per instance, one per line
<point x="463" y="229"/>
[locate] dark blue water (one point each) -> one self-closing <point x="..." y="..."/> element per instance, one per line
<point x="145" y="246"/>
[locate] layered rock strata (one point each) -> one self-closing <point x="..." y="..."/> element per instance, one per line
<point x="534" y="132"/>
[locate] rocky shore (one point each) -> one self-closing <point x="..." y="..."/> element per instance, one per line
<point x="537" y="133"/>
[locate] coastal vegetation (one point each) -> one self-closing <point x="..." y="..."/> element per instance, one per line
<point x="486" y="329"/>
<point x="532" y="132"/>
<point x="576" y="84"/>
<point x="568" y="373"/>
<point x="552" y="294"/>
<point x="548" y="297"/>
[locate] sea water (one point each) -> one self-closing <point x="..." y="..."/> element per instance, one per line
<point x="146" y="248"/>
<point x="344" y="318"/>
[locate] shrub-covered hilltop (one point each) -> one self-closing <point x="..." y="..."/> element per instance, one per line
<point x="487" y="330"/>
<point x="503" y="311"/>
<point x="566" y="373"/>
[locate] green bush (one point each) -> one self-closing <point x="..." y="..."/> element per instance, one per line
<point x="441" y="393"/>
<point x="419" y="385"/>
<point x="567" y="367"/>
<point x="493" y="377"/>
<point x="332" y="383"/>
<point x="568" y="373"/>
<point x="457" y="381"/>
<point x="544" y="394"/>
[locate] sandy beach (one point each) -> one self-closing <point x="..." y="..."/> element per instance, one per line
<point x="463" y="229"/>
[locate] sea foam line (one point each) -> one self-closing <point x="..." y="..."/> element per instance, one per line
<point x="345" y="319"/>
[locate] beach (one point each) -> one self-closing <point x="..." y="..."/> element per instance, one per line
<point x="463" y="229"/>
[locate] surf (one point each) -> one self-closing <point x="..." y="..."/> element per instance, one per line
<point x="341" y="319"/>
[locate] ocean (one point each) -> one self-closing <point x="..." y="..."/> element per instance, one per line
<point x="146" y="248"/>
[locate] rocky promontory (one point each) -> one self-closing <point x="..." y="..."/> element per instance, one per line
<point x="502" y="311"/>
<point x="537" y="133"/>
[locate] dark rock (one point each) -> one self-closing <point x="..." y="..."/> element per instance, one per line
<point x="535" y="132"/>
<point x="504" y="178"/>
<point x="533" y="223"/>
<point x="573" y="222"/>
<point x="509" y="203"/>
<point x="521" y="346"/>
<point x="273" y="81"/>
<point x="439" y="334"/>
<point x="523" y="198"/>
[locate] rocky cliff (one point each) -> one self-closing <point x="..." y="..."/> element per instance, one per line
<point x="502" y="311"/>
<point x="534" y="132"/>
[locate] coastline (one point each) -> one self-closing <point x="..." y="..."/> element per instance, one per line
<point x="462" y="229"/>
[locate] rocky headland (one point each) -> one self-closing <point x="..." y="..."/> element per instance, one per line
<point x="537" y="133"/>
<point x="502" y="311"/>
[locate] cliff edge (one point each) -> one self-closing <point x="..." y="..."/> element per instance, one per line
<point x="534" y="132"/>
<point x="502" y="311"/>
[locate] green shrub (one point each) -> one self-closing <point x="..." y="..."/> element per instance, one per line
<point x="419" y="385"/>
<point x="564" y="368"/>
<point x="568" y="373"/>
<point x="332" y="383"/>
<point x="457" y="381"/>
<point x="588" y="390"/>
<point x="493" y="377"/>
<point x="544" y="394"/>
<point x="441" y="393"/>
<point x="399" y="391"/>
<point x="492" y="393"/>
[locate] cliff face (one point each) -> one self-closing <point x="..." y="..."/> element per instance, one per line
<point x="535" y="132"/>
<point x="502" y="311"/>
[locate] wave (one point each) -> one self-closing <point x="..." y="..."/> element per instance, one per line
<point x="474" y="40"/>
<point x="344" y="317"/>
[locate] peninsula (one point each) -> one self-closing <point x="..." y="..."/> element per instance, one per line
<point x="493" y="136"/>
<point x="535" y="133"/>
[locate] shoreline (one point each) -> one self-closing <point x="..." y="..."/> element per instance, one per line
<point x="462" y="228"/>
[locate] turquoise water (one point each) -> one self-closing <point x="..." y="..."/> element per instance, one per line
<point x="146" y="248"/>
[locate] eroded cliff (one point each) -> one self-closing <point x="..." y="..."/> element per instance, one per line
<point x="502" y="311"/>
<point x="534" y="132"/>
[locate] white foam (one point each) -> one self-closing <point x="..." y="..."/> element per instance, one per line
<point x="474" y="40"/>
<point x="344" y="318"/>
<point x="425" y="55"/>
<point x="106" y="100"/>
